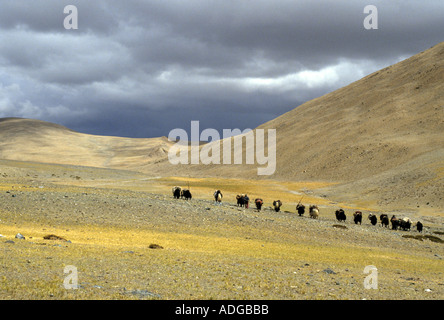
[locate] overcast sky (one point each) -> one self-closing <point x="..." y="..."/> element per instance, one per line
<point x="141" y="68"/>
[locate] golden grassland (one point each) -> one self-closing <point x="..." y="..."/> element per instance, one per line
<point x="223" y="260"/>
<point x="99" y="254"/>
<point x="114" y="239"/>
<point x="290" y="193"/>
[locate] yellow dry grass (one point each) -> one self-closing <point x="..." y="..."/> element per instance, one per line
<point x="114" y="239"/>
<point x="290" y="193"/>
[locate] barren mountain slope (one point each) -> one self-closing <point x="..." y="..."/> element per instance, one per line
<point x="381" y="138"/>
<point x="377" y="123"/>
<point x="383" y="134"/>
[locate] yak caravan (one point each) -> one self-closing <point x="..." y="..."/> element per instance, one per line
<point x="209" y="153"/>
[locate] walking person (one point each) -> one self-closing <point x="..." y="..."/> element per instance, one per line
<point x="246" y="199"/>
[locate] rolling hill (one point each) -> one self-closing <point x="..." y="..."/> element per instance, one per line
<point x="40" y="141"/>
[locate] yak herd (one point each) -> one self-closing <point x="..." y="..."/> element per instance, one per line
<point x="178" y="193"/>
<point x="243" y="201"/>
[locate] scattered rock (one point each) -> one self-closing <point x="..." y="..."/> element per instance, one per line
<point x="339" y="226"/>
<point x="155" y="246"/>
<point x="19" y="236"/>
<point x="9" y="241"/>
<point x="329" y="271"/>
<point x="421" y="238"/>
<point x="53" y="237"/>
<point x="142" y="293"/>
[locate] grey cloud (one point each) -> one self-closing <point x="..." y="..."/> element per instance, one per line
<point x="132" y="63"/>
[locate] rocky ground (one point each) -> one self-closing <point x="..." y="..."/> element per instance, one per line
<point x="128" y="244"/>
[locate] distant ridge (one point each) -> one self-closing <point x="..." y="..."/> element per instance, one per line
<point x="13" y="126"/>
<point x="41" y="141"/>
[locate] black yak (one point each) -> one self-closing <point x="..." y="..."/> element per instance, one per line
<point x="419" y="226"/>
<point x="177" y="192"/>
<point x="259" y="202"/>
<point x="340" y="215"/>
<point x="396" y="223"/>
<point x="300" y="208"/>
<point x="373" y="219"/>
<point x="277" y="205"/>
<point x="357" y="217"/>
<point x="240" y="200"/>
<point x="384" y="220"/>
<point x="186" y="194"/>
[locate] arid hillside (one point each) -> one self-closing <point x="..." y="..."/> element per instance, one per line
<point x="381" y="137"/>
<point x="378" y="123"/>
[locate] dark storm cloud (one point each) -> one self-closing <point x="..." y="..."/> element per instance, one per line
<point x="141" y="68"/>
